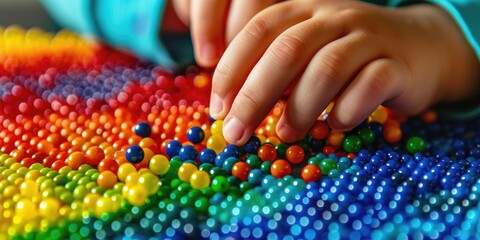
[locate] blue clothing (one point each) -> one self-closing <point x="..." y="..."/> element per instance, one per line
<point x="135" y="26"/>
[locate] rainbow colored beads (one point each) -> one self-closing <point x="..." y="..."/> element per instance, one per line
<point x="97" y="144"/>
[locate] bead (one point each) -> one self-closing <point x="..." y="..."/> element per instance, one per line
<point x="220" y="184"/>
<point x="185" y="171"/>
<point x="159" y="164"/>
<point x="134" y="154"/>
<point x="207" y="155"/>
<point x="320" y="130"/>
<point x="200" y="180"/>
<point x="352" y="144"/>
<point x="188" y="152"/>
<point x="295" y="154"/>
<point x="267" y="152"/>
<point x="241" y="170"/>
<point x="195" y="135"/>
<point x="280" y="168"/>
<point x="415" y="144"/>
<point x="311" y="173"/>
<point x="143" y="129"/>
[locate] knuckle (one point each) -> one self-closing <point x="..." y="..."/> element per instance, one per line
<point x="249" y="100"/>
<point x="222" y="77"/>
<point x="379" y="80"/>
<point x="288" y="49"/>
<point x="258" y="28"/>
<point x="329" y="70"/>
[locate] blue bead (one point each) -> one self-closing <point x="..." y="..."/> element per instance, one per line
<point x="173" y="148"/>
<point x="255" y="176"/>
<point x="252" y="145"/>
<point x="143" y="129"/>
<point x="195" y="134"/>
<point x="221" y="157"/>
<point x="134" y="154"/>
<point x="232" y="151"/>
<point x="207" y="155"/>
<point x="188" y="152"/>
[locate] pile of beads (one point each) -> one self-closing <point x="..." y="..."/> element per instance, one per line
<point x="97" y="144"/>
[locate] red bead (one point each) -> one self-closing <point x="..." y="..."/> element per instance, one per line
<point x="94" y="155"/>
<point x="328" y="150"/>
<point x="108" y="165"/>
<point x="267" y="152"/>
<point x="295" y="154"/>
<point x="320" y="130"/>
<point x="57" y="165"/>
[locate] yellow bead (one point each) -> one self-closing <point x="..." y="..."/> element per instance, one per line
<point x="380" y="115"/>
<point x="217" y="143"/>
<point x="150" y="182"/>
<point x="103" y="205"/>
<point x="29" y="188"/>
<point x="186" y="170"/>
<point x="10" y="191"/>
<point x="25" y="209"/>
<point x="90" y="201"/>
<point x="49" y="208"/>
<point x="132" y="179"/>
<point x="200" y="180"/>
<point x="137" y="195"/>
<point x="32" y="175"/>
<point x="124" y="170"/>
<point x="217" y="128"/>
<point x="159" y="164"/>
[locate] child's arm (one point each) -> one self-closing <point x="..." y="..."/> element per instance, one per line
<point x="361" y="54"/>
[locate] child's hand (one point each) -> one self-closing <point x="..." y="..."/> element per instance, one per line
<point x="214" y="23"/>
<point x="362" y="55"/>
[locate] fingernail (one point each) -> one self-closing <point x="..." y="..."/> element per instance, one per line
<point x="208" y="52"/>
<point x="289" y="134"/>
<point x="216" y="105"/>
<point x="233" y="130"/>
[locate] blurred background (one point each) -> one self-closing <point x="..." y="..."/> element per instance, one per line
<point x="26" y="13"/>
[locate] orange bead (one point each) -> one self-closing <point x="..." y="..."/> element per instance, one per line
<point x="392" y="135"/>
<point x="335" y="139"/>
<point x="149" y="143"/>
<point x="241" y="170"/>
<point x="108" y="164"/>
<point x="280" y="168"/>
<point x="311" y="173"/>
<point x="75" y="160"/>
<point x="107" y="179"/>
<point x="295" y="154"/>
<point x="94" y="155"/>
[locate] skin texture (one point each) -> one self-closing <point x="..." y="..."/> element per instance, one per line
<point x="356" y="54"/>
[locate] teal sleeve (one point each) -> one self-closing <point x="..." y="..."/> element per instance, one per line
<point x="128" y="24"/>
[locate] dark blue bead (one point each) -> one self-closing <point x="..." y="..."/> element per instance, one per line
<point x="252" y="144"/>
<point x="195" y="134"/>
<point x="369" y="168"/>
<point x="188" y="152"/>
<point x="207" y="155"/>
<point x="143" y="129"/>
<point x="232" y="151"/>
<point x="220" y="159"/>
<point x="173" y="148"/>
<point x="377" y="160"/>
<point x="135" y="154"/>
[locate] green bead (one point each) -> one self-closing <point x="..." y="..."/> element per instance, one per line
<point x="234" y="181"/>
<point x="327" y="164"/>
<point x="244" y="186"/>
<point x="70" y="186"/>
<point x="415" y="145"/>
<point x="66" y="197"/>
<point x="367" y="135"/>
<point x="94" y="176"/>
<point x="90" y="172"/>
<point x="220" y="184"/>
<point x="205" y="167"/>
<point x="36" y="166"/>
<point x="314" y="160"/>
<point x="175" y="183"/>
<point x="65" y="170"/>
<point x="84" y="180"/>
<point x="184" y="188"/>
<point x="52" y="174"/>
<point x="60" y="179"/>
<point x="265" y="167"/>
<point x="208" y="191"/>
<point x="84" y="168"/>
<point x="216" y="171"/>
<point x="253" y="161"/>
<point x="80" y="192"/>
<point x="201" y="205"/>
<point x="281" y="150"/>
<point x="352" y="144"/>
<point x="172" y="172"/>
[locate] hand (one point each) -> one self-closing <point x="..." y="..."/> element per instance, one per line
<point x="360" y="54"/>
<point x="214" y="23"/>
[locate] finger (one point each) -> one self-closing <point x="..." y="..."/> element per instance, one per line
<point x="241" y="11"/>
<point x="380" y="81"/>
<point x="245" y="51"/>
<point x="208" y="30"/>
<point x="328" y="72"/>
<point x="286" y="57"/>
<point x="182" y="9"/>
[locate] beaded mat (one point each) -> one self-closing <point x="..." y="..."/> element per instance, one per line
<point x="96" y="144"/>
